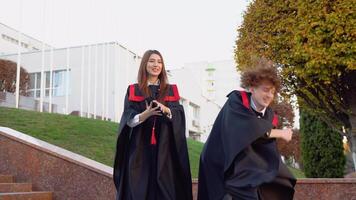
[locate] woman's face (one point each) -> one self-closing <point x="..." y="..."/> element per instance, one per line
<point x="154" y="66"/>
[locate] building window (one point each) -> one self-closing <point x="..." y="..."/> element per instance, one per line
<point x="181" y="101"/>
<point x="15" y="41"/>
<point x="59" y="79"/>
<point x="194" y="114"/>
<point x="10" y="39"/>
<point x="25" y="45"/>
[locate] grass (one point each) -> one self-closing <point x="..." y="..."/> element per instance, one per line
<point x="297" y="173"/>
<point x="94" y="139"/>
<point x="194" y="149"/>
<point x="91" y="138"/>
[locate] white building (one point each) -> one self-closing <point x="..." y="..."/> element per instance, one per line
<point x="91" y="80"/>
<point x="10" y="38"/>
<point x="98" y="76"/>
<point x="205" y="84"/>
<point x="200" y="112"/>
<point x="216" y="78"/>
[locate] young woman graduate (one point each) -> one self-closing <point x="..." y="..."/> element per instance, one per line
<point x="240" y="160"/>
<point x="151" y="161"/>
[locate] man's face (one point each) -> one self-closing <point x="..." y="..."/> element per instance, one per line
<point x="263" y="94"/>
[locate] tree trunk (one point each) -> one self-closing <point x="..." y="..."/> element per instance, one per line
<point x="352" y="132"/>
<point x="351" y="157"/>
<point x="352" y="139"/>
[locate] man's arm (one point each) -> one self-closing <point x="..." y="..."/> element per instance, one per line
<point x="285" y="134"/>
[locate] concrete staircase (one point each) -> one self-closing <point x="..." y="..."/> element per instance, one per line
<point x="10" y="190"/>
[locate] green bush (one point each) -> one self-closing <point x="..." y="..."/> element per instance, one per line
<point x="322" y="151"/>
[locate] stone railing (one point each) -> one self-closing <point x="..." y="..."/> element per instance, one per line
<point x="50" y="168"/>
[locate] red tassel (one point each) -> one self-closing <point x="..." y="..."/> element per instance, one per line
<point x="153" y="134"/>
<point x="153" y="137"/>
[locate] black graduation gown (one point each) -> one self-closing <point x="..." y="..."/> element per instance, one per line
<point x="238" y="160"/>
<point x="146" y="171"/>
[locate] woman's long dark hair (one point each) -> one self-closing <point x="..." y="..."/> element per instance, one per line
<point x="143" y="75"/>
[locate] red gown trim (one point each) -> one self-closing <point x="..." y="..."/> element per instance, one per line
<point x="134" y="97"/>
<point x="245" y="100"/>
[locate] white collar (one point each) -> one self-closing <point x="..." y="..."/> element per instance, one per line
<point x="155" y="83"/>
<point x="253" y="105"/>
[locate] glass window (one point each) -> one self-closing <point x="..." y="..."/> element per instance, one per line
<point x="38" y="81"/>
<point x="32" y="80"/>
<point x="38" y="94"/>
<point x="59" y="83"/>
<point x="30" y="93"/>
<point x="194" y="111"/>
<point x="59" y="78"/>
<point x="48" y="78"/>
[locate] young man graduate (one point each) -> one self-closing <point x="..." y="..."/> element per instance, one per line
<point x="240" y="160"/>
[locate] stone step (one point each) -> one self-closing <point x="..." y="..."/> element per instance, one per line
<point x="15" y="187"/>
<point x="6" y="179"/>
<point x="26" y="196"/>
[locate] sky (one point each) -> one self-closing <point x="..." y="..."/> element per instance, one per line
<point x="183" y="31"/>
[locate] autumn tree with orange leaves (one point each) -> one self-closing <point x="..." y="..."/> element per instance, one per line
<point x="8" y="77"/>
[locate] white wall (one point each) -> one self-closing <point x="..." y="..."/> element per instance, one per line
<point x="192" y="79"/>
<point x="191" y="92"/>
<point x="8" y="45"/>
<point x="110" y="65"/>
<point x="225" y="75"/>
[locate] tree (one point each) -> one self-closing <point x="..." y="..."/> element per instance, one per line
<point x="322" y="150"/>
<point x="291" y="149"/>
<point x="285" y="113"/>
<point x="312" y="43"/>
<point x="8" y="77"/>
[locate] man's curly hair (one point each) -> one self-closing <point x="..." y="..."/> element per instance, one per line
<point x="263" y="70"/>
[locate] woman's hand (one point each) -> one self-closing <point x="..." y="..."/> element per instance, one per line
<point x="150" y="111"/>
<point x="165" y="110"/>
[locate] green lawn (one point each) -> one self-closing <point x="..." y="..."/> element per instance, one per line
<point x="297" y="173"/>
<point x="91" y="138"/>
